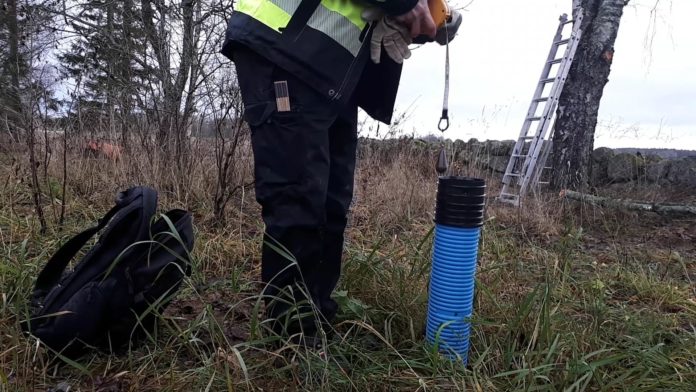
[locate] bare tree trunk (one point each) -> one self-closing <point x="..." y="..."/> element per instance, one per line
<point x="125" y="73"/>
<point x="113" y="55"/>
<point x="171" y="127"/>
<point x="15" y="67"/>
<point x="20" y="119"/>
<point x="160" y="48"/>
<point x="36" y="187"/>
<point x="578" y="106"/>
<point x="63" y="202"/>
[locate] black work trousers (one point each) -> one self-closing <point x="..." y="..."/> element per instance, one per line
<point x="304" y="165"/>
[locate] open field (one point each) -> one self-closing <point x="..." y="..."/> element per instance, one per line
<point x="569" y="297"/>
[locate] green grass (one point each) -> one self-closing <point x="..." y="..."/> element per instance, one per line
<point x="554" y="311"/>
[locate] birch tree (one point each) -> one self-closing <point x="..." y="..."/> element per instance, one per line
<point x="578" y="107"/>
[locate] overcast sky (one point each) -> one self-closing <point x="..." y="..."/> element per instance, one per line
<point x="496" y="60"/>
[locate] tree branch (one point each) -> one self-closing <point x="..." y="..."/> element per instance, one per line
<point x="662" y="209"/>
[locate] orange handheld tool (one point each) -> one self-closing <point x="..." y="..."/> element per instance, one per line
<point x="440" y="11"/>
<point x="446" y="20"/>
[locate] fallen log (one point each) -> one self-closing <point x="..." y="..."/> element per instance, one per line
<point x="658" y="208"/>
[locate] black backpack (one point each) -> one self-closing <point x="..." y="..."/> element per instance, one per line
<point x="114" y="294"/>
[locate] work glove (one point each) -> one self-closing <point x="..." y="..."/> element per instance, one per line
<point x="388" y="33"/>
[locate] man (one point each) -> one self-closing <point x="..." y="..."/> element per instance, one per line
<point x="304" y="68"/>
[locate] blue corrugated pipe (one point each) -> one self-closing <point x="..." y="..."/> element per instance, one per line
<point x="458" y="221"/>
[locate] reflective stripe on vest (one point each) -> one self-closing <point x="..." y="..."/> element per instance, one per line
<point x="265" y="12"/>
<point x="338" y="19"/>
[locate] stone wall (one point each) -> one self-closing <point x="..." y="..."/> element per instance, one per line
<point x="608" y="167"/>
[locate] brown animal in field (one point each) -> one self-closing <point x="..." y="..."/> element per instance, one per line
<point x="100" y="149"/>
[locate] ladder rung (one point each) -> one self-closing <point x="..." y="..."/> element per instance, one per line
<point x="509" y="195"/>
<point x="533" y="118"/>
<point x="528" y="137"/>
<point x="556" y="61"/>
<point x="513" y="174"/>
<point x="562" y="42"/>
<point x="519" y="155"/>
<point x="544" y="182"/>
<point x="547" y="80"/>
<point x="542" y="99"/>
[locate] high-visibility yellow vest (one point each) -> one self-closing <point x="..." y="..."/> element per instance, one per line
<point x="323" y="42"/>
<point x="338" y="19"/>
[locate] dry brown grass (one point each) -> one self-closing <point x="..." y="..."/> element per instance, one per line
<point x="569" y="296"/>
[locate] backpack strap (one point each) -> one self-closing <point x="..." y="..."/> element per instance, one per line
<point x="53" y="270"/>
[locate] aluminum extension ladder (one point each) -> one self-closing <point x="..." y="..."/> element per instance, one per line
<point x="528" y="158"/>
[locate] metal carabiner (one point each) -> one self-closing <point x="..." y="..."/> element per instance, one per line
<point x="445" y="119"/>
